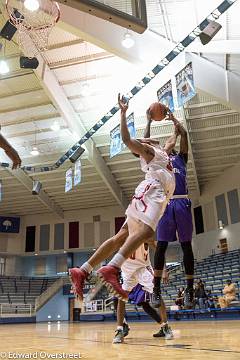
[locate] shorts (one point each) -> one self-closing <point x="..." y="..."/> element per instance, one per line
<point x="135" y="273"/>
<point x="177" y="219"/>
<point x="149" y="203"/>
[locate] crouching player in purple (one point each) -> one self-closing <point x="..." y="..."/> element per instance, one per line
<point x="176" y="222"/>
<point x="137" y="276"/>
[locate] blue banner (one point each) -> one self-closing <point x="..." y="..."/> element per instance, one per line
<point x="116" y="144"/>
<point x="165" y="96"/>
<point x="69" y="180"/>
<point x="9" y="224"/>
<point x="185" y="85"/>
<point x="77" y="173"/>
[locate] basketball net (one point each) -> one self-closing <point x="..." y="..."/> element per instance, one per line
<point x="34" y="27"/>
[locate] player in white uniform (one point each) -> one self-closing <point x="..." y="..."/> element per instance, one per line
<point x="137" y="276"/>
<point x="143" y="213"/>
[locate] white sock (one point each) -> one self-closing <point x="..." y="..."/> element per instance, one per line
<point x="87" y="267"/>
<point x="125" y="321"/>
<point x="163" y="324"/>
<point x="117" y="260"/>
<point x="120" y="328"/>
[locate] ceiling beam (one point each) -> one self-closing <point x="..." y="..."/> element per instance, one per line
<point x="56" y="93"/>
<point x="27" y="182"/>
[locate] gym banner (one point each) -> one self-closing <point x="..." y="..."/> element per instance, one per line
<point x="77" y="173"/>
<point x="69" y="180"/>
<point x="165" y="95"/>
<point x="185" y="85"/>
<point x="9" y="224"/>
<point x="116" y="144"/>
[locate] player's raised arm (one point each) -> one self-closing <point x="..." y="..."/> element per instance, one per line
<point x="134" y="145"/>
<point x="147" y="131"/>
<point x="183" y="142"/>
<point x="171" y="141"/>
<point x="10" y="152"/>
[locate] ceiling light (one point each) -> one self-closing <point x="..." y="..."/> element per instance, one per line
<point x="34" y="151"/>
<point x="31" y="5"/>
<point x="85" y="89"/>
<point x="128" y="40"/>
<point x="4" y="68"/>
<point x="220" y="225"/>
<point x="55" y="126"/>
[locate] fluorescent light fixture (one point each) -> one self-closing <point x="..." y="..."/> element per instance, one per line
<point x="31" y="5"/>
<point x="55" y="126"/>
<point x="4" y="68"/>
<point x="34" y="151"/>
<point x="220" y="225"/>
<point x="128" y="40"/>
<point x="85" y="89"/>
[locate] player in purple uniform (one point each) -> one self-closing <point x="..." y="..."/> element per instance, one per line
<point x="177" y="220"/>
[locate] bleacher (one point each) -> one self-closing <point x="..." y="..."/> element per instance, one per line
<point x="18" y="294"/>
<point x="215" y="270"/>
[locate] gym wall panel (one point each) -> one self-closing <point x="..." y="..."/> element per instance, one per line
<point x="209" y="216"/>
<point x="104" y="231"/>
<point x="44" y="237"/>
<point x="3" y="243"/>
<point x="221" y="209"/>
<point x="61" y="262"/>
<point x="30" y="238"/>
<point x="198" y="217"/>
<point x="40" y="266"/>
<point x="73" y="235"/>
<point x="233" y="201"/>
<point x="89" y="235"/>
<point x="58" y="236"/>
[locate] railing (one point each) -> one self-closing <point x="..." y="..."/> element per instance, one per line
<point x="93" y="306"/>
<point x="50" y="292"/>
<point x="16" y="310"/>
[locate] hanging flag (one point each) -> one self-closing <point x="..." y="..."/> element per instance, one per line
<point x="165" y="95"/>
<point x="9" y="224"/>
<point x="77" y="173"/>
<point x="116" y="143"/>
<point x="69" y="181"/>
<point x="185" y="85"/>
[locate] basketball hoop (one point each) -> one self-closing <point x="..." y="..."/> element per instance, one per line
<point x="34" y="26"/>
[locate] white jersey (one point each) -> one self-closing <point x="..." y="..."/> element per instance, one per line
<point x="159" y="168"/>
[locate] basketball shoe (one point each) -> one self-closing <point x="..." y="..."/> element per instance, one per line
<point x="156" y="297"/>
<point x="164" y="332"/>
<point x="77" y="277"/>
<point x="109" y="276"/>
<point x="119" y="337"/>
<point x="126" y="329"/>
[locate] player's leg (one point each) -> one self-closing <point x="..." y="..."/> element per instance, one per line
<point x="79" y="275"/>
<point x="166" y="232"/>
<point x="165" y="330"/>
<point x="183" y="217"/>
<point x="119" y="333"/>
<point x="188" y="261"/>
<point x="138" y="233"/>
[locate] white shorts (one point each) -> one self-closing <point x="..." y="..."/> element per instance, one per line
<point x="134" y="273"/>
<point x="148" y="203"/>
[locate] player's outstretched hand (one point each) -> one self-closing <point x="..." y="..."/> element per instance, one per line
<point x="123" y="104"/>
<point x="13" y="155"/>
<point x="165" y="277"/>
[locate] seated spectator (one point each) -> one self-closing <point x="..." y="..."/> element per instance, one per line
<point x="200" y="295"/>
<point x="180" y="298"/>
<point x="210" y="300"/>
<point x="229" y="292"/>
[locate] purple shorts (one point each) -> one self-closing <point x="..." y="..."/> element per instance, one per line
<point x="138" y="295"/>
<point x="176" y="220"/>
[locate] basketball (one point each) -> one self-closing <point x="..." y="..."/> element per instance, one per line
<point x="157" y="111"/>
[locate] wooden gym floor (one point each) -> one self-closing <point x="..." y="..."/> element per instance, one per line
<point x="193" y="340"/>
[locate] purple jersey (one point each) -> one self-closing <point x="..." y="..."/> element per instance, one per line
<point x="180" y="171"/>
